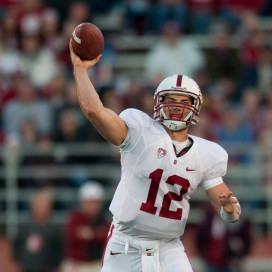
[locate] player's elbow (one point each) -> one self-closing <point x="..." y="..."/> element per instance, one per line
<point x="92" y="113"/>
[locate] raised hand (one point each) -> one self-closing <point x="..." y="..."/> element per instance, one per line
<point x="76" y="61"/>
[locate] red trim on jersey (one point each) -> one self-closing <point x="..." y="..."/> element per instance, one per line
<point x="179" y="80"/>
<point x="109" y="236"/>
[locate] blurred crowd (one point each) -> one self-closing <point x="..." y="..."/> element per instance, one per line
<point x="225" y="45"/>
<point x="36" y="78"/>
<point x="232" y="65"/>
<point x="43" y="246"/>
<point x="37" y="92"/>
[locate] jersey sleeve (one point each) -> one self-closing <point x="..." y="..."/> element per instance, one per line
<point x="134" y="121"/>
<point x="216" y="169"/>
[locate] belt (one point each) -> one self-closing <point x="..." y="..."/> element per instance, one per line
<point x="149" y="250"/>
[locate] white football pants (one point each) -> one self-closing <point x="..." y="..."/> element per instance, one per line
<point x="126" y="254"/>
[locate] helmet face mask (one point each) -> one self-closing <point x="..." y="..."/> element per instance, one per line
<point x="177" y="115"/>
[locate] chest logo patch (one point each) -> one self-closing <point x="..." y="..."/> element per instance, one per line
<point x="161" y="152"/>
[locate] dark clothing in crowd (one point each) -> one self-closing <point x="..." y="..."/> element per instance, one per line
<point x="38" y="248"/>
<point x="223" y="245"/>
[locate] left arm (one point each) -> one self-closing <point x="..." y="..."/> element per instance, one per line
<point x="221" y="196"/>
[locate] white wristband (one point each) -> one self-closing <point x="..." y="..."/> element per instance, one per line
<point x="229" y="217"/>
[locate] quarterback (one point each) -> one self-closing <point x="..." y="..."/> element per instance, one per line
<point x="161" y="167"/>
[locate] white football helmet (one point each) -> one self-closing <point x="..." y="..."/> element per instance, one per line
<point x="182" y="85"/>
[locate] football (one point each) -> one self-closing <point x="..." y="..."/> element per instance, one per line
<point x="87" y="41"/>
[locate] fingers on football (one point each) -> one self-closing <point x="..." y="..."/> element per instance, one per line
<point x="74" y="56"/>
<point x="95" y="60"/>
<point x="71" y="47"/>
<point x="90" y="63"/>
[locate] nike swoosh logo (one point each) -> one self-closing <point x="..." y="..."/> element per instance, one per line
<point x="147" y="249"/>
<point x="114" y="253"/>
<point x="188" y="169"/>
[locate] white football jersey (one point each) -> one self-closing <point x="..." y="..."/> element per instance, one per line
<point x="152" y="198"/>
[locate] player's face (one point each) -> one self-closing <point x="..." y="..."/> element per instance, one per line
<point x="177" y="107"/>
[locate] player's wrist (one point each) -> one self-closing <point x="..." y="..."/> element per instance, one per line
<point x="79" y="65"/>
<point x="80" y="69"/>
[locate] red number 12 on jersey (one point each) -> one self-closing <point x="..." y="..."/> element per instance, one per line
<point x="149" y="205"/>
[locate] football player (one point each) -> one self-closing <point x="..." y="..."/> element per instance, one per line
<point x="161" y="167"/>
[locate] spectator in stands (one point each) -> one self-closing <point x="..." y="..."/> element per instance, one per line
<point x="29" y="134"/>
<point x="9" y="54"/>
<point x="29" y="15"/>
<point x="259" y="75"/>
<point x="54" y="92"/>
<point x="233" y="131"/>
<point x="6" y="93"/>
<point x="174" y="53"/>
<point x="233" y="11"/>
<point x="242" y="5"/>
<point x="223" y="246"/>
<point x="62" y="52"/>
<point x="38" y="244"/>
<point x="267" y="8"/>
<point x="265" y="144"/>
<point x="111" y="99"/>
<point x="86" y="230"/>
<point x="70" y="99"/>
<point x="222" y="58"/>
<point x="252" y="112"/>
<point x="69" y="130"/>
<point x="105" y="6"/>
<point x="10" y="29"/>
<point x="224" y="87"/>
<point x="203" y="129"/>
<point x="71" y="104"/>
<point x="201" y="15"/>
<point x="79" y="12"/>
<point x="136" y="15"/>
<point x="217" y="106"/>
<point x="203" y="79"/>
<point x="168" y="10"/>
<point x="147" y="102"/>
<point x="37" y="61"/>
<point x="8" y="90"/>
<point x="50" y="26"/>
<point x="131" y="96"/>
<point x="26" y="107"/>
<point x="251" y="38"/>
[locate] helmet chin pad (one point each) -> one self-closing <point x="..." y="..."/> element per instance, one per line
<point x="175" y="125"/>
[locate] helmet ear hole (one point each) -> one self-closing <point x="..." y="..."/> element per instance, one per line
<point x="162" y="98"/>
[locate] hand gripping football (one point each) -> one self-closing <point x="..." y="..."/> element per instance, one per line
<point x="87" y="41"/>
